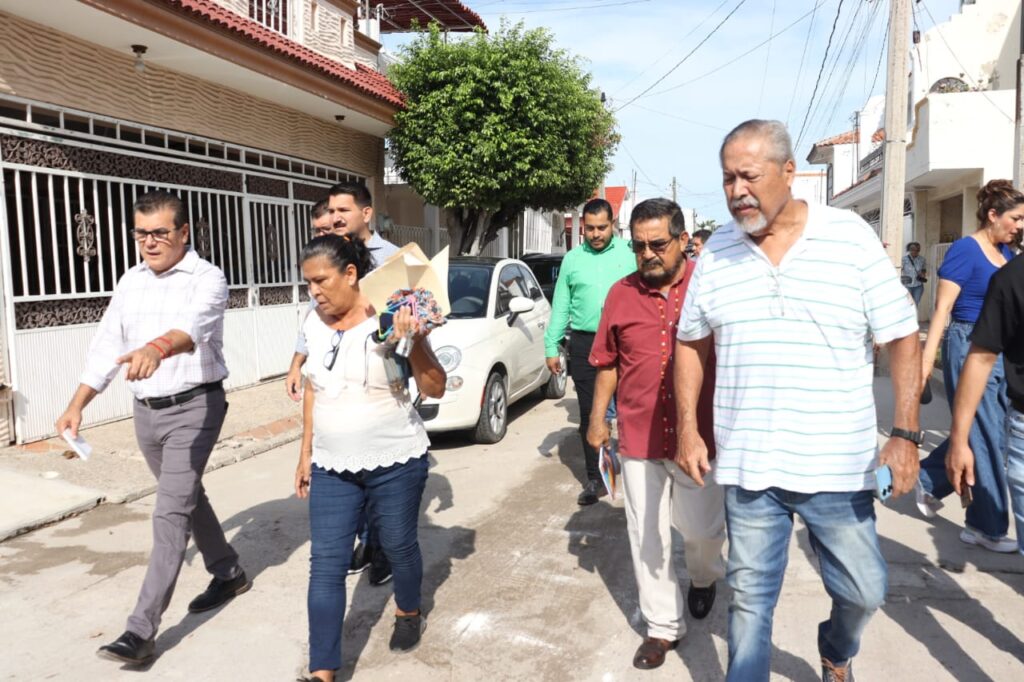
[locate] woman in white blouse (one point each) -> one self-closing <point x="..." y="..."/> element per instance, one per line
<point x="363" y="446"/>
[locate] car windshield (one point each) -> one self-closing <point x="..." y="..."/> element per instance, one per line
<point x="468" y="287"/>
<point x="545" y="270"/>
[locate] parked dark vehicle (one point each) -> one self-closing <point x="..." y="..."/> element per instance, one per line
<point x="545" y="267"/>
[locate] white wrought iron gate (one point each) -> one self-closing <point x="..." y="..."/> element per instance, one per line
<point x="64" y="243"/>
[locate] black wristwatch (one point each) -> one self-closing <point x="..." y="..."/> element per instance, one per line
<point x="915" y="437"/>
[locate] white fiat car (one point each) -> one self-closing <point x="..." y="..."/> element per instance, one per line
<point x="492" y="347"/>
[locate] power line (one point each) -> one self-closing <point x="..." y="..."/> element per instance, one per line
<point x="881" y="56"/>
<point x="674" y="47"/>
<point x="680" y="118"/>
<point x="767" y="60"/>
<point x="687" y="56"/>
<point x="579" y="7"/>
<point x="740" y="56"/>
<point x="820" y="70"/>
<point x="800" y="69"/>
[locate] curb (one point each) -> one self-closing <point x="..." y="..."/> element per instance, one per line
<point x="227" y="452"/>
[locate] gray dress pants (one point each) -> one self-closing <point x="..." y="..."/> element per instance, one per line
<point x="177" y="442"/>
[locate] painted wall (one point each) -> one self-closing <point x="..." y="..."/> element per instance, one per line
<point x="37" y="63"/>
<point x="979" y="45"/>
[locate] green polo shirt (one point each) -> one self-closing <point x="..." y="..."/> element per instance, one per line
<point x="583" y="283"/>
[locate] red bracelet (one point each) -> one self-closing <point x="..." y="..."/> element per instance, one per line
<point x="163" y="354"/>
<point x="170" y="345"/>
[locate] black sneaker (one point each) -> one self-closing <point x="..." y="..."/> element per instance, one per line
<point x="380" y="568"/>
<point x="220" y="592"/>
<point x="591" y="491"/>
<point x="408" y="630"/>
<point x="361" y="556"/>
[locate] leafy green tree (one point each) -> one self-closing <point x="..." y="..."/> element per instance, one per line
<point x="709" y="224"/>
<point x="497" y="123"/>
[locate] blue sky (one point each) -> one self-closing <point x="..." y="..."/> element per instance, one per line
<point x="675" y="128"/>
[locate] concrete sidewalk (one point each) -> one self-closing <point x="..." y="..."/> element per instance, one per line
<point x="40" y="484"/>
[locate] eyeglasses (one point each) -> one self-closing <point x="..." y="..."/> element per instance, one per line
<point x="657" y="246"/>
<point x="332" y="355"/>
<point x="321" y="231"/>
<point x="161" y="234"/>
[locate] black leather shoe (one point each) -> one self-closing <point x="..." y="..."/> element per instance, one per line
<point x="220" y="592"/>
<point x="591" y="491"/>
<point x="128" y="648"/>
<point x="361" y="557"/>
<point x="700" y="600"/>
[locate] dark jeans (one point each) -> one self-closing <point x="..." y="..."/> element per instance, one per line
<point x="584" y="377"/>
<point x="989" y="512"/>
<point x="391" y="497"/>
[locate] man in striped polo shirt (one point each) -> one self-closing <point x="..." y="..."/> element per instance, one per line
<point x="792" y="296"/>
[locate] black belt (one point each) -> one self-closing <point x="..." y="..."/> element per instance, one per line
<point x="579" y="332"/>
<point x="179" y="398"/>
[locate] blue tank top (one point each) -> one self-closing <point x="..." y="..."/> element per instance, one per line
<point x="967" y="266"/>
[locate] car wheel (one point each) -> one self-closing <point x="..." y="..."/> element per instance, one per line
<point x="493" y="421"/>
<point x="555" y="386"/>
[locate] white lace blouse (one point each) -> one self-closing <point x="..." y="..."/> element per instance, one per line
<point x="359" y="422"/>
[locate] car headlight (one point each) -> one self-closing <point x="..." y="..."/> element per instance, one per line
<point x="449" y="357"/>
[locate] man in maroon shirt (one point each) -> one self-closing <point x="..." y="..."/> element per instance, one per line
<point x="633" y="353"/>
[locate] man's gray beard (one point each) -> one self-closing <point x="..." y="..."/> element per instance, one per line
<point x="755" y="226"/>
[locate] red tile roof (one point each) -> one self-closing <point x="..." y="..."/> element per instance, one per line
<point x="849" y="137"/>
<point x="362" y="78"/>
<point x="399" y="15"/>
<point x="615" y="196"/>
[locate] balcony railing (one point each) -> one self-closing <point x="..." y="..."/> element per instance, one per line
<point x="271" y="13"/>
<point x="872" y="160"/>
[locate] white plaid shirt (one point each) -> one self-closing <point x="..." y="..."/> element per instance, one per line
<point x="191" y="297"/>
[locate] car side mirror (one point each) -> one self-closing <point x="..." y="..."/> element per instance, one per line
<point x="517" y="306"/>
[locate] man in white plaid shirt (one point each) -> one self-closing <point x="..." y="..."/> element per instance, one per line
<point x="165" y="325"/>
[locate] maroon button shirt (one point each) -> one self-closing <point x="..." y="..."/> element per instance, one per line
<point x="637" y="335"/>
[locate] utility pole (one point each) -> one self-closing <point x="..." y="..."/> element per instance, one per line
<point x="894" y="168"/>
<point x="674" y="188"/>
<point x="633" y="195"/>
<point x="1018" y="148"/>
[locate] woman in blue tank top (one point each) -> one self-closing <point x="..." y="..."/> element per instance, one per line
<point x="963" y="281"/>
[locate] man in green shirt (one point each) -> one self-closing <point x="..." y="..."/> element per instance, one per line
<point x="586" y="275"/>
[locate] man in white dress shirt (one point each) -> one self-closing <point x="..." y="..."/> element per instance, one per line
<point x="165" y="325"/>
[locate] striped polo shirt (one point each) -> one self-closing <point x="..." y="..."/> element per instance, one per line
<point x="794" y="407"/>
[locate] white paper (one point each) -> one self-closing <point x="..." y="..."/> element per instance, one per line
<point x="77" y="444"/>
<point x="409" y="268"/>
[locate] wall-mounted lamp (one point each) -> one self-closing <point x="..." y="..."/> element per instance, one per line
<point x="339" y="118"/>
<point x="139" y="50"/>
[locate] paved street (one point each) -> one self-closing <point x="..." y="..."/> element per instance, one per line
<point x="520" y="583"/>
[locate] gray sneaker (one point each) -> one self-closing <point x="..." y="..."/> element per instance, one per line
<point x="832" y="673"/>
<point x="408" y="630"/>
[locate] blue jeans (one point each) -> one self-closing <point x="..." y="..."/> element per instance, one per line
<point x="842" y="533"/>
<point x="989" y="513"/>
<point x="391" y="495"/>
<point x="1015" y="469"/>
<point x="915" y="293"/>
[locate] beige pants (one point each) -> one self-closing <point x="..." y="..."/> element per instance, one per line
<point x="658" y="497"/>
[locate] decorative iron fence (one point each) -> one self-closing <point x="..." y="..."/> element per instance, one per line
<point x="65" y="221"/>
